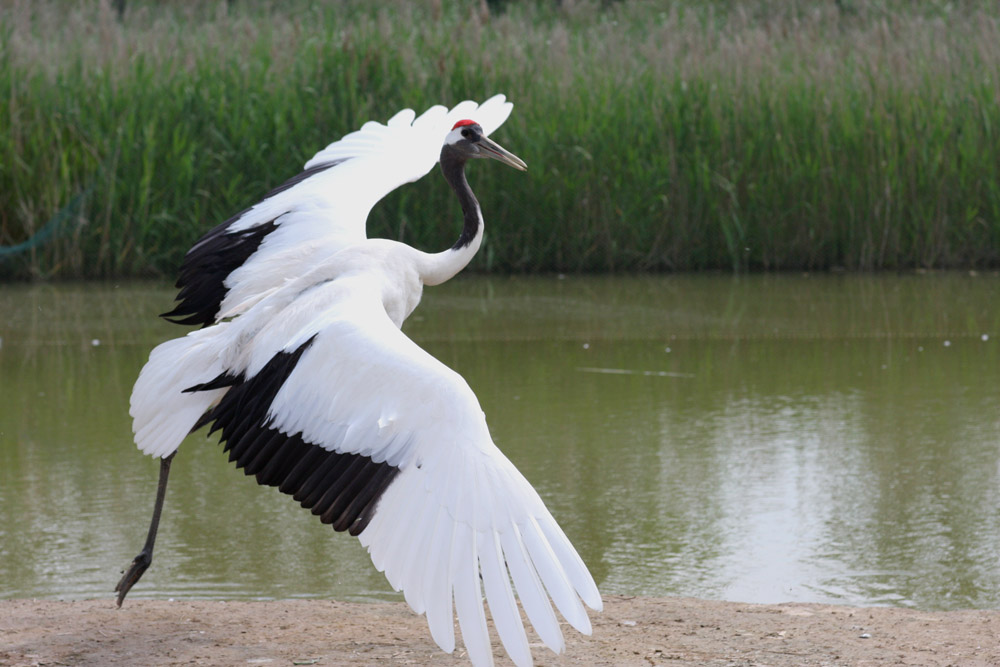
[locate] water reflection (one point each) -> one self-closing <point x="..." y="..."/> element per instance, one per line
<point x="759" y="439"/>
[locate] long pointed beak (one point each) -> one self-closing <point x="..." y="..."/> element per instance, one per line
<point x="490" y="148"/>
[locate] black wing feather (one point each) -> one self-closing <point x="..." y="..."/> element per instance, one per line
<point x="342" y="489"/>
<point x="202" y="276"/>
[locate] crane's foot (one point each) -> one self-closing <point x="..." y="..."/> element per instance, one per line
<point x="141" y="562"/>
<point x="139" y="565"/>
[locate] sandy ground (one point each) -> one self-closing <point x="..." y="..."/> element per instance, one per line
<point x="630" y="631"/>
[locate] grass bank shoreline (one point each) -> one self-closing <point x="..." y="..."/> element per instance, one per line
<point x="661" y="136"/>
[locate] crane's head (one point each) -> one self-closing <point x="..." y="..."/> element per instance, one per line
<point x="467" y="140"/>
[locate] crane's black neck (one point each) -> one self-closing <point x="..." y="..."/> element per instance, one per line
<point x="453" y="168"/>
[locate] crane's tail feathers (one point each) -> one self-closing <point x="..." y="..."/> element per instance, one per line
<point x="162" y="412"/>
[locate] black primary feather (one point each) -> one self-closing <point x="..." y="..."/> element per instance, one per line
<point x="202" y="276"/>
<point x="342" y="489"/>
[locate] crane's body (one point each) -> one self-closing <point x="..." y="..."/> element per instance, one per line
<point x="303" y="367"/>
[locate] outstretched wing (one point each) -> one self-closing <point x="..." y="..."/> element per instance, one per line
<point x="315" y="213"/>
<point x="377" y="437"/>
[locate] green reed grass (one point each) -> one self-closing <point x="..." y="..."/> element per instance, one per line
<point x="660" y="136"/>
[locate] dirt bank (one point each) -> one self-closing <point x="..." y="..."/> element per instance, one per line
<point x="630" y="631"/>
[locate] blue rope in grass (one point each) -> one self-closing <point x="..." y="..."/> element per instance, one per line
<point x="49" y="229"/>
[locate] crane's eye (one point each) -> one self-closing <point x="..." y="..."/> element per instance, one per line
<point x="466" y="133"/>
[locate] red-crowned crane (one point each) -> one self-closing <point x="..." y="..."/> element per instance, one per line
<point x="302" y="366"/>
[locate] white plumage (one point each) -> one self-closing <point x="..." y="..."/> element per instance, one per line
<point x="317" y="310"/>
<point x="327" y="212"/>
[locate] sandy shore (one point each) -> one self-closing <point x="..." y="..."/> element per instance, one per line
<point x="630" y="631"/>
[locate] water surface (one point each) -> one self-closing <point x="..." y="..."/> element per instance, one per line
<point x="762" y="438"/>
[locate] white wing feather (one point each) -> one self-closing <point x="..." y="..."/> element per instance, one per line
<point x="328" y="210"/>
<point x="162" y="413"/>
<point x="458" y="510"/>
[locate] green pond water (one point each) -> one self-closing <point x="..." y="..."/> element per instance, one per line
<point x="761" y="438"/>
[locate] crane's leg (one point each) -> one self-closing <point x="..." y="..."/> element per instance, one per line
<point x="145" y="557"/>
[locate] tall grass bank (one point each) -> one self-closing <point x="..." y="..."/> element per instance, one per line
<point x="660" y="135"/>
